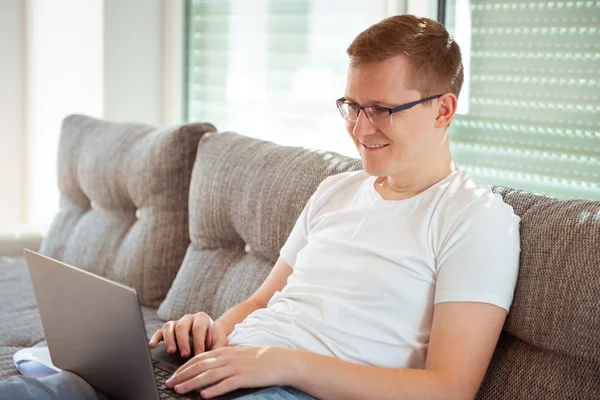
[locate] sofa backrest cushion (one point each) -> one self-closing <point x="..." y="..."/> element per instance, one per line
<point x="124" y="194"/>
<point x="550" y="347"/>
<point x="245" y="197"/>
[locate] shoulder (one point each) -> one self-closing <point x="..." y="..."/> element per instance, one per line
<point x="467" y="195"/>
<point x="344" y="178"/>
<point x="465" y="199"/>
<point x="336" y="190"/>
<point x="346" y="181"/>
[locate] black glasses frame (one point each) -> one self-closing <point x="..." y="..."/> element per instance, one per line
<point x="341" y="101"/>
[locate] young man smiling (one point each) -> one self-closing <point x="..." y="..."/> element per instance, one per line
<point x="395" y="281"/>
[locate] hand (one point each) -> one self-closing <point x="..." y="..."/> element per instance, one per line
<point x="206" y="334"/>
<point x="232" y="368"/>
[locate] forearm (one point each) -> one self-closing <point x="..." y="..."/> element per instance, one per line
<point x="329" y="378"/>
<point x="236" y="314"/>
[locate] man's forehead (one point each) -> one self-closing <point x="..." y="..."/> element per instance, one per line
<point x="380" y="83"/>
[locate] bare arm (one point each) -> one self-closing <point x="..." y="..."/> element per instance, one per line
<point x="275" y="282"/>
<point x="463" y="339"/>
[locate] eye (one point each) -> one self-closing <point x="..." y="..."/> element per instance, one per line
<point x="380" y="112"/>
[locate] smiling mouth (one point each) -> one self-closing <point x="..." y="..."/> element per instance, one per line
<point x="374" y="146"/>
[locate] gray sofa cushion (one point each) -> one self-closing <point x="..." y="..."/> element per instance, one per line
<point x="124" y="193"/>
<point x="6" y="364"/>
<point x="550" y="347"/>
<point x="245" y="197"/>
<point x="557" y="300"/>
<point x="21" y="325"/>
<point x="520" y="370"/>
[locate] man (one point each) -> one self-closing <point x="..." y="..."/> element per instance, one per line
<point x="395" y="282"/>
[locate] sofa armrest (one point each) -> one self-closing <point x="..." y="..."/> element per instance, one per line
<point x="14" y="239"/>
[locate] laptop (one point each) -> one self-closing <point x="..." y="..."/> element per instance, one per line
<point x="94" y="328"/>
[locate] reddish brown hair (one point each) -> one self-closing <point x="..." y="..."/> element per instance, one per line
<point x="434" y="56"/>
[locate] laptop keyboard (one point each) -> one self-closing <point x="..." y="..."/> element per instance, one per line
<point x="164" y="392"/>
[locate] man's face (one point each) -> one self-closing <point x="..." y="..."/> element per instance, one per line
<point x="411" y="140"/>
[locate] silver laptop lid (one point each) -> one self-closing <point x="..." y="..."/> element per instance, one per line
<point x="94" y="328"/>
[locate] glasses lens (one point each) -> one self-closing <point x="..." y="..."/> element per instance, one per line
<point x="379" y="117"/>
<point x="348" y="111"/>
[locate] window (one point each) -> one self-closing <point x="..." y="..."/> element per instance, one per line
<point x="273" y="68"/>
<point x="529" y="116"/>
<point x="529" y="113"/>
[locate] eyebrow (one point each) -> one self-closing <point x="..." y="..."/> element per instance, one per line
<point x="374" y="102"/>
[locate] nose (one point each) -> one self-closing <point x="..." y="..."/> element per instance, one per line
<point x="363" y="126"/>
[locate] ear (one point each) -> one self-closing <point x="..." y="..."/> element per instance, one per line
<point x="446" y="110"/>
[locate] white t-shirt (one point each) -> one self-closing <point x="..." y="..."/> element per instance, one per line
<point x="368" y="271"/>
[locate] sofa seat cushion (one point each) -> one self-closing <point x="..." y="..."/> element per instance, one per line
<point x="7" y="368"/>
<point x="124" y="201"/>
<point x="21" y="325"/>
<point x="245" y="197"/>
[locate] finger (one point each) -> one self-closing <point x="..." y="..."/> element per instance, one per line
<point x="204" y="379"/>
<point x="182" y="334"/>
<point x="199" y="328"/>
<point x="192" y="370"/>
<point x="169" y="337"/>
<point x="157" y="337"/>
<point x="202" y="357"/>
<point x="225" y="386"/>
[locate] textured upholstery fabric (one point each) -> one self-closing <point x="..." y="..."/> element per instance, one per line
<point x="6" y="365"/>
<point x="550" y="348"/>
<point x="521" y="371"/>
<point x="246" y="194"/>
<point x="20" y="323"/>
<point x="557" y="300"/>
<point x="124" y="193"/>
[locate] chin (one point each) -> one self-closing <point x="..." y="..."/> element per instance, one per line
<point x="373" y="169"/>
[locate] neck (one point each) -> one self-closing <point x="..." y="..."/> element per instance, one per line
<point x="409" y="183"/>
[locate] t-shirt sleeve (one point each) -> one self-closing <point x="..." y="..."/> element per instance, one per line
<point x="298" y="236"/>
<point x="479" y="258"/>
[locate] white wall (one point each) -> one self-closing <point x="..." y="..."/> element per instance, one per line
<point x="133" y="63"/>
<point x="12" y="118"/>
<point x="64" y="74"/>
<point x="172" y="62"/>
<point x="100" y="58"/>
<point x="422" y="8"/>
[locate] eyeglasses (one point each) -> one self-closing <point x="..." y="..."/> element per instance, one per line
<point x="379" y="116"/>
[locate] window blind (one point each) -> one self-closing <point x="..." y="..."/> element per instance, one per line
<point x="273" y="68"/>
<point x="530" y="114"/>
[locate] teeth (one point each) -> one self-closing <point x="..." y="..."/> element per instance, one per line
<point x="374" y="146"/>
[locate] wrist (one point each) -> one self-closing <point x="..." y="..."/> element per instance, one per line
<point x="223" y="326"/>
<point x="293" y="367"/>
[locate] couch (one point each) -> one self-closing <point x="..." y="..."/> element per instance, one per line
<point x="194" y="220"/>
